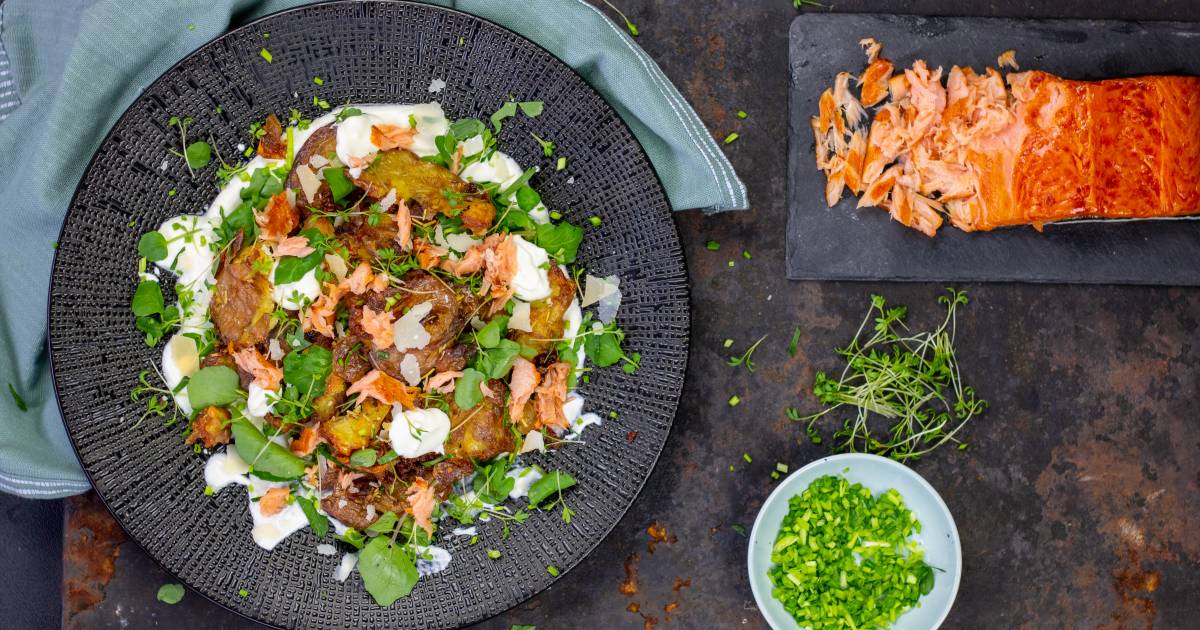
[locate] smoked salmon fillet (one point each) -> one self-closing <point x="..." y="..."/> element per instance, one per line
<point x="988" y="151"/>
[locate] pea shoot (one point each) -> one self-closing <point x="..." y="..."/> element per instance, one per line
<point x="747" y="357"/>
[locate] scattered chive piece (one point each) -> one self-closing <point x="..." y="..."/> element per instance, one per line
<point x="208" y="491"/>
<point x="962" y="447"/>
<point x="555" y="214"/>
<point x="731" y="468"/>
<point x="613" y="414"/>
<point x="131" y="223"/>
<point x="746" y="456"/>
<point x="731" y="138"/>
<point x="741" y="114"/>
<point x="781" y="467"/>
<point x="774" y="475"/>
<point x="170" y="593"/>
<point x="191" y="27"/>
<point x="318" y="80"/>
<point x="474" y="540"/>
<point x="494" y="554"/>
<point x="562" y="163"/>
<point x="795" y="343"/>
<point x="171" y="193"/>
<point x="746" y="254"/>
<point x="712" y="246"/>
<point x="17" y="399"/>
<point x="731" y="263"/>
<point x="244" y="593"/>
<point x="595" y="221"/>
<point x="734" y="400"/>
<point x="552" y="570"/>
<point x="739" y="529"/>
<point x="728" y="342"/>
<point x="265" y="54"/>
<point x="266" y="35"/>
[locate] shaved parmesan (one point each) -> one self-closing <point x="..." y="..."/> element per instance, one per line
<point x="595" y="289"/>
<point x="609" y="304"/>
<point x="410" y="334"/>
<point x="436" y="85"/>
<point x="534" y="441"/>
<point x="410" y="370"/>
<point x="520" y="317"/>
<point x="345" y="567"/>
<point x="318" y="161"/>
<point x="326" y="549"/>
<point x="274" y="350"/>
<point x="461" y="242"/>
<point x="308" y="182"/>
<point x="388" y="200"/>
<point x="337" y="266"/>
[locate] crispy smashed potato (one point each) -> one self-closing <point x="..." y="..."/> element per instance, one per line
<point x="210" y="428"/>
<point x="434" y="189"/>
<point x="242" y="303"/>
<point x="356" y="429"/>
<point x="546" y="316"/>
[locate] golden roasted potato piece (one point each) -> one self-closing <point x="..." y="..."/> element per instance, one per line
<point x="210" y="428"/>
<point x="325" y="406"/>
<point x="356" y="429"/>
<point x="322" y="142"/>
<point x="546" y="316"/>
<point x="434" y="188"/>
<point x="481" y="433"/>
<point x="242" y="302"/>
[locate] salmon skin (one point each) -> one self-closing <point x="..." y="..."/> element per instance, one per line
<point x="987" y="150"/>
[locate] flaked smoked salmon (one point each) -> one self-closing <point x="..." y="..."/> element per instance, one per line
<point x="1030" y="148"/>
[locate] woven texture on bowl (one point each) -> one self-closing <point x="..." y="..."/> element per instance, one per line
<point x="364" y="52"/>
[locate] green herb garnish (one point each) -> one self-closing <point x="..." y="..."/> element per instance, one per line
<point x="909" y="379"/>
<point x="747" y="357"/>
<point x="843" y="558"/>
<point x="170" y="593"/>
<point x="629" y="25"/>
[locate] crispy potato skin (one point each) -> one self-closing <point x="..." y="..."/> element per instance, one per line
<point x="452" y="310"/>
<point x="322" y="142"/>
<point x="546" y="316"/>
<point x="272" y="144"/>
<point x="325" y="406"/>
<point x="210" y="428"/>
<point x="356" y="429"/>
<point x="424" y="183"/>
<point x="481" y="432"/>
<point x="242" y="304"/>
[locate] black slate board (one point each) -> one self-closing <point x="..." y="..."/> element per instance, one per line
<point x="842" y="243"/>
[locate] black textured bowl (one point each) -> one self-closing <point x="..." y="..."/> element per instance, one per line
<point x="366" y="52"/>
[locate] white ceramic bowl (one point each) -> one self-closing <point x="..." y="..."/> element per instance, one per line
<point x="939" y="536"/>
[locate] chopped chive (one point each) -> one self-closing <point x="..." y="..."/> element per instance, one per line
<point x="562" y="163"/>
<point x="746" y="254"/>
<point x="191" y="27"/>
<point x="774" y="475"/>
<point x="595" y="221"/>
<point x="318" y="80"/>
<point x="781" y="467"/>
<point x="208" y="491"/>
<point x="741" y="114"/>
<point x="795" y="343"/>
<point x="494" y="554"/>
<point x="244" y="593"/>
<point x="746" y="456"/>
<point x="265" y="54"/>
<point x="712" y="246"/>
<point x="552" y="570"/>
<point x="728" y="342"/>
<point x="734" y="400"/>
<point x="733" y="136"/>
<point x="731" y="263"/>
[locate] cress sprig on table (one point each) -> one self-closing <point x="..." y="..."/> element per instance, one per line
<point x="910" y="379"/>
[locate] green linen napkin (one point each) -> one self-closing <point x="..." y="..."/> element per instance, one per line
<point x="68" y="69"/>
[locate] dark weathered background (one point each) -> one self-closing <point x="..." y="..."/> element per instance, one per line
<point x="1078" y="502"/>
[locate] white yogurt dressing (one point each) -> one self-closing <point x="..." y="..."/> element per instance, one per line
<point x="192" y="257"/>
<point x="418" y="432"/>
<point x="522" y="479"/>
<point x="271" y="530"/>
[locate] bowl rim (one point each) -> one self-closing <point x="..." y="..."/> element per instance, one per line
<point x="783" y="492"/>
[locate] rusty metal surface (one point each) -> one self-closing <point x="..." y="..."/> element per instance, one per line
<point x="1078" y="502"/>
